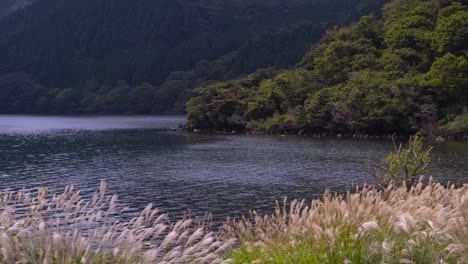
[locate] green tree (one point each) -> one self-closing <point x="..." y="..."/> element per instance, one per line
<point x="451" y="34"/>
<point x="447" y="79"/>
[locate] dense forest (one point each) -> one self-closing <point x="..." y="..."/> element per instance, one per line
<point x="404" y="72"/>
<point x="144" y="56"/>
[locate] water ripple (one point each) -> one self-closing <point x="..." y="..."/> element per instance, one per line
<point x="223" y="174"/>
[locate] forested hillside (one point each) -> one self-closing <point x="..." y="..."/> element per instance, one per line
<point x="404" y="72"/>
<point x="142" y="56"/>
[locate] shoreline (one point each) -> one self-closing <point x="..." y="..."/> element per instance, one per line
<point x="434" y="139"/>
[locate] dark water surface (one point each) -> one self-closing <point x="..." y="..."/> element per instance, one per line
<point x="143" y="163"/>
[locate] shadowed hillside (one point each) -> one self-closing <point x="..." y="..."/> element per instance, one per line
<point x="92" y="55"/>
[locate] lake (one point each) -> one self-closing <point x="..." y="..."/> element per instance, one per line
<point x="143" y="162"/>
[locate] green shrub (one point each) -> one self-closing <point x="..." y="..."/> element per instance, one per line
<point x="404" y="166"/>
<point x="459" y="125"/>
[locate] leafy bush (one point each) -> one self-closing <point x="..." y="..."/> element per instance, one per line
<point x="459" y="125"/>
<point x="278" y="124"/>
<point x="404" y="166"/>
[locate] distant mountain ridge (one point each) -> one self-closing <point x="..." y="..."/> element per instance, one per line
<point x="169" y="47"/>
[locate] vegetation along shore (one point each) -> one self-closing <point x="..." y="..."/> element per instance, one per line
<point x="403" y="72"/>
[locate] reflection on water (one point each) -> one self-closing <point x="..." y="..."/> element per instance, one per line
<point x="225" y="174"/>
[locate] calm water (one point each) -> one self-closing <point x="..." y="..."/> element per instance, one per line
<point x="225" y="174"/>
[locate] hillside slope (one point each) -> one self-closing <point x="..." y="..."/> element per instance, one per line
<point x="113" y="50"/>
<point x="405" y="72"/>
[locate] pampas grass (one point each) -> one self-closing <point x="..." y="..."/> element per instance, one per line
<point x="428" y="224"/>
<point x="65" y="228"/>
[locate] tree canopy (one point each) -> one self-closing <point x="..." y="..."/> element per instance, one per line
<point x="161" y="49"/>
<point x="404" y="72"/>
